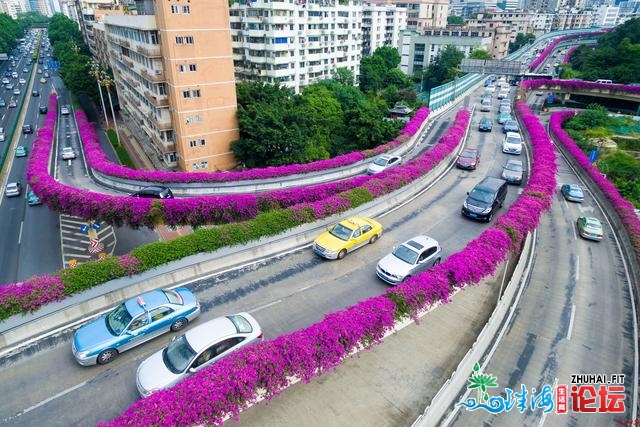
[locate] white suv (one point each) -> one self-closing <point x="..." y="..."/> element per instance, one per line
<point x="64" y="110"/>
<point x="512" y="143"/>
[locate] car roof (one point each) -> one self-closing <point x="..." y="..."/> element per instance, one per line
<point x="469" y="150"/>
<point x="513" y="135"/>
<point x="357" y="221"/>
<point x="592" y="221"/>
<point x="421" y="241"/>
<point x="515" y="161"/>
<point x="574" y="187"/>
<point x="201" y="336"/>
<point x="388" y="156"/>
<point x="152" y="299"/>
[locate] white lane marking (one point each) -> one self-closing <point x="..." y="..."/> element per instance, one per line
<point x="575" y="235"/>
<point x="573" y="315"/>
<point x="544" y="414"/>
<point x="262" y="307"/>
<point x="577" y="268"/>
<point x="20" y="233"/>
<point x="44" y="402"/>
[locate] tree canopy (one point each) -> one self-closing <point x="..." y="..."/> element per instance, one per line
<point x="74" y="56"/>
<point x="380" y="71"/>
<point x="10" y="31"/>
<point x="443" y="68"/>
<point x="616" y="56"/>
<point x="521" y="40"/>
<point x="329" y="118"/>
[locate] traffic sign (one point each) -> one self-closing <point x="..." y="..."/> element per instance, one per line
<point x="94" y="243"/>
<point x="96" y="249"/>
<point x="96" y="226"/>
<point x="73" y="263"/>
<point x="53" y="64"/>
<point x="84" y="228"/>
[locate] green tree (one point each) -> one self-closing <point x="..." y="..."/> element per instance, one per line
<point x="455" y="20"/>
<point x="372" y="73"/>
<point x="344" y="76"/>
<point x="390" y="56"/>
<point x="444" y="67"/>
<point x="480" y="54"/>
<point x="521" y="40"/>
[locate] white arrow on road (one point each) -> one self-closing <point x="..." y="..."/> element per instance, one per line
<point x="585" y="208"/>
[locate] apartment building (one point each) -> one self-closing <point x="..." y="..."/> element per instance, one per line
<point x="13" y="7"/>
<point x="421" y="14"/>
<point x="91" y="12"/>
<point x="173" y="71"/>
<point x="381" y="26"/>
<point x="297" y="42"/>
<point x="417" y="51"/>
<point x="606" y="15"/>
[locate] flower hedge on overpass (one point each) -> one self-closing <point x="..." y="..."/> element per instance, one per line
<point x="581" y="85"/>
<point x="265" y="368"/>
<point x="97" y="159"/>
<point x="33" y="293"/>
<point x="555" y="42"/>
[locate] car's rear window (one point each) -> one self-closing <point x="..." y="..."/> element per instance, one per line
<point x="242" y="325"/>
<point x="173" y="296"/>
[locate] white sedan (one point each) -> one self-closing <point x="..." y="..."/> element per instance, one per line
<point x="195" y="350"/>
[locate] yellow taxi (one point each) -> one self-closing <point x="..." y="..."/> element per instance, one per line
<point x="43" y="80"/>
<point x="347" y="236"/>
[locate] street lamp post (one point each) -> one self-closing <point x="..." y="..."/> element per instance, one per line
<point x="106" y="81"/>
<point x="95" y="72"/>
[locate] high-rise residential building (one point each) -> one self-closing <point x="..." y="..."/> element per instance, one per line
<point x="606" y="15"/>
<point x="295" y="43"/>
<point x="421" y="14"/>
<point x="417" y="51"/>
<point x="91" y="12"/>
<point x="381" y="26"/>
<point x="13" y="7"/>
<point x="173" y="71"/>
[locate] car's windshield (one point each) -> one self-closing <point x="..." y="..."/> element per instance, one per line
<point x="468" y="154"/>
<point x="513" y="166"/>
<point x="514" y="140"/>
<point x="575" y="191"/>
<point x="481" y="195"/>
<point x="380" y="161"/>
<point x="341" y="232"/>
<point x="178" y="355"/>
<point x="118" y="319"/>
<point x="405" y="254"/>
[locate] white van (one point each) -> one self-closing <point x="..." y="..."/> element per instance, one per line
<point x="604" y="81"/>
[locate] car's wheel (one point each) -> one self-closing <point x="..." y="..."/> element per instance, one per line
<point x="436" y="262"/>
<point x="342" y="254"/>
<point x="374" y="238"/>
<point x="179" y="324"/>
<point x="406" y="278"/>
<point x="107" y="356"/>
<point x="490" y="217"/>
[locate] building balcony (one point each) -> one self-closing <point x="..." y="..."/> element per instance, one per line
<point x="161" y="123"/>
<point x="157" y="101"/>
<point x="155" y="76"/>
<point x="150" y="51"/>
<point x="126" y="61"/>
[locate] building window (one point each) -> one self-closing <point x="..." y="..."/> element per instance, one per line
<point x="186" y="94"/>
<point x="185" y="9"/>
<point x="182" y="68"/>
<point x="193" y="143"/>
<point x="192" y="67"/>
<point x="179" y="40"/>
<point x="175" y="8"/>
<point x="188" y="39"/>
<point x="203" y="142"/>
<point x="195" y="166"/>
<point x="195" y="93"/>
<point x="204" y="165"/>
